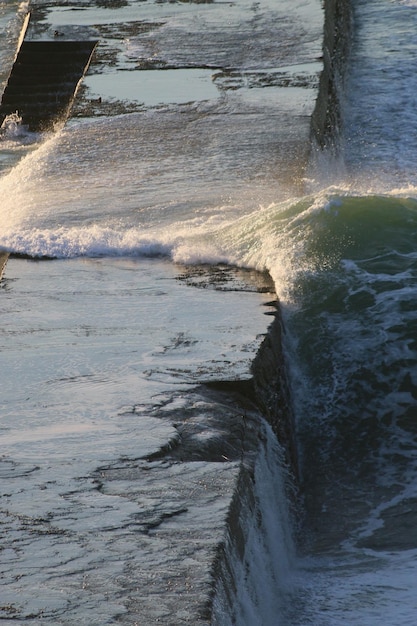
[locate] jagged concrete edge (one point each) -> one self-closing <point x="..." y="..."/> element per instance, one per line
<point x="337" y="36"/>
<point x="269" y="370"/>
<point x="3" y="260"/>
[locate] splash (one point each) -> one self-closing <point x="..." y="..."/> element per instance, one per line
<point x="11" y="126"/>
<point x="21" y="187"/>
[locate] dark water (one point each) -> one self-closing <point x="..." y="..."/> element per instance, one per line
<point x="354" y="330"/>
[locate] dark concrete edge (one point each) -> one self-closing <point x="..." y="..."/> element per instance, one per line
<point x="4" y="256"/>
<point x="23" y="31"/>
<point x="270" y="394"/>
<point x="337" y="36"/>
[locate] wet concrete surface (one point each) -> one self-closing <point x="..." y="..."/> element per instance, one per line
<point x="123" y="447"/>
<point x="235" y="57"/>
<point x="119" y="452"/>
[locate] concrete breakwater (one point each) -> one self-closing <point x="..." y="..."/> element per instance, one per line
<point x="154" y="528"/>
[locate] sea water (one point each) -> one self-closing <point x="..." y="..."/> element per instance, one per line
<point x="343" y="260"/>
<point x="354" y="330"/>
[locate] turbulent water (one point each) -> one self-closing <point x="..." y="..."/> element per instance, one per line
<point x="343" y="257"/>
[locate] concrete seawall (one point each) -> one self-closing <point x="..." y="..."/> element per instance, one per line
<point x="187" y="506"/>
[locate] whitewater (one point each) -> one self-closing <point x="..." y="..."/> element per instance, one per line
<point x="107" y="196"/>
